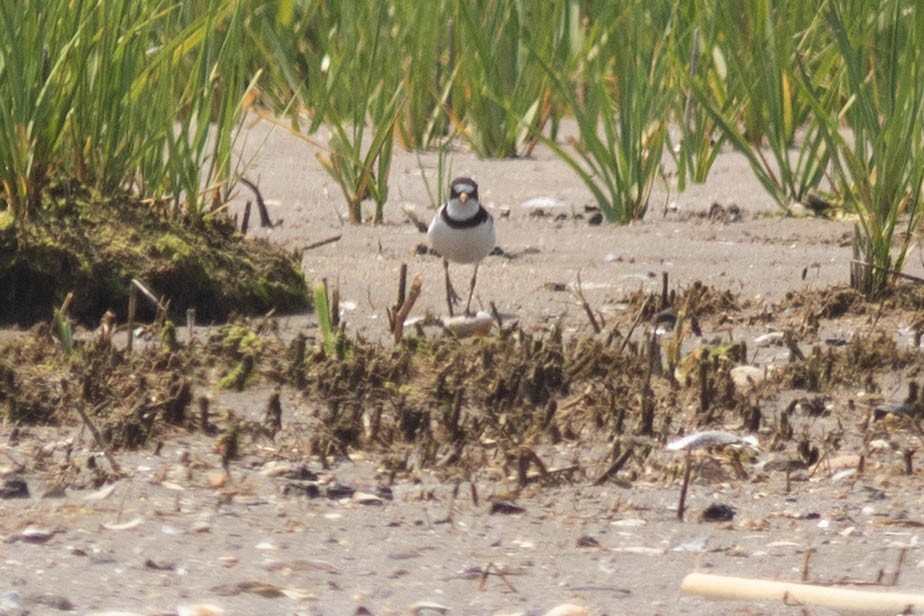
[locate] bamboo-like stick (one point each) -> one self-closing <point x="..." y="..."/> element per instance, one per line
<point x="844" y="600"/>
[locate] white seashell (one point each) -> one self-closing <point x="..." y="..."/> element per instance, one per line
<point x="698" y="440"/>
<point x="567" y="609"/>
<point x="543" y="203"/>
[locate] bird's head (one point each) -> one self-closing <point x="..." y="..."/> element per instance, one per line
<point x="463" y="190"/>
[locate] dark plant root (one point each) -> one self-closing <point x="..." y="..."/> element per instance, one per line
<point x="93" y="246"/>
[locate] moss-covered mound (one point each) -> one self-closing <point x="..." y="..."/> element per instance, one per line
<point x="93" y="246"/>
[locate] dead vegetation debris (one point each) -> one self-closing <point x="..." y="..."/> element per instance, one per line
<point x="447" y="403"/>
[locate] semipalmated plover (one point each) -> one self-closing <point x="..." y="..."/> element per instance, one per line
<point x="462" y="232"/>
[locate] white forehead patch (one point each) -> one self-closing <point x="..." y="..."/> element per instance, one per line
<point x="464" y="187"/>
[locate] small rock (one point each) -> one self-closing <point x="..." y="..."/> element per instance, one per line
<point x="717" y="512"/>
<point x="302" y="488"/>
<point x="11" y="603"/>
<point x="32" y="535"/>
<point x="51" y="600"/>
<point x="747" y="377"/>
<point x="586" y="541"/>
<point x="339" y="490"/>
<point x="505" y="507"/>
<point x="365" y="498"/>
<point x="14" y="487"/>
<point x="771" y="339"/>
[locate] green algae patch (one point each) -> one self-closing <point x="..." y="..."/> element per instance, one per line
<point x="92" y="246"/>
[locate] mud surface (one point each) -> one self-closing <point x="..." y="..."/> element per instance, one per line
<point x="498" y="476"/>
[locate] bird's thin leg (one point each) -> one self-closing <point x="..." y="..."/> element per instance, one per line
<point x="471" y="291"/>
<point x="451" y="296"/>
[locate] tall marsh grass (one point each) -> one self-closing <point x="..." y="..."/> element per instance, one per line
<point x="144" y="96"/>
<point x="150" y="96"/>
<point x="618" y="95"/>
<point x="878" y="161"/>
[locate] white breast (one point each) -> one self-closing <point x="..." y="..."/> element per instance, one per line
<point x="466" y="245"/>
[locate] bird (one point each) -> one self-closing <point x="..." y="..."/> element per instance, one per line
<point x="462" y="232"/>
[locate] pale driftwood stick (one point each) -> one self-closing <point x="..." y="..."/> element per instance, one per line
<point x="148" y="294"/>
<point x="405" y="308"/>
<point x="845" y="600"/>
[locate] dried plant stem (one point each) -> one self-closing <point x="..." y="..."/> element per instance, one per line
<point x="406" y="307"/>
<point x="402" y="293"/>
<point x="99" y="439"/>
<point x="245" y="221"/>
<point x="805" y="563"/>
<point x="687" y="471"/>
<point x="579" y="293"/>
<point x="496" y="570"/>
<point x="261" y="204"/>
<point x="614" y="467"/>
<point x="638" y="319"/>
<point x="325" y="241"/>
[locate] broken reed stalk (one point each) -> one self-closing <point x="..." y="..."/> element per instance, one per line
<point x="245" y="221"/>
<point x="402" y="292"/>
<point x="132" y="308"/>
<point x="705" y="389"/>
<point x="487" y="571"/>
<point x="664" y="292"/>
<point x="190" y="324"/>
<point x="272" y="420"/>
<point x="406" y="307"/>
<point x="638" y="319"/>
<point x="805" y="564"/>
<point x="687" y="471"/>
<point x="204" y="414"/>
<point x="99" y="439"/>
<point x="614" y="468"/>
<point x="335" y="305"/>
<point x="261" y="204"/>
<point x="898" y="566"/>
<point x="402" y="285"/>
<point x="579" y="293"/>
<point x="324" y="242"/>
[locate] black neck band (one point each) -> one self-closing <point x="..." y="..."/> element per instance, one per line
<point x="466" y="223"/>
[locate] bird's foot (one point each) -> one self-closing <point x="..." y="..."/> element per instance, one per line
<point x="452" y="298"/>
